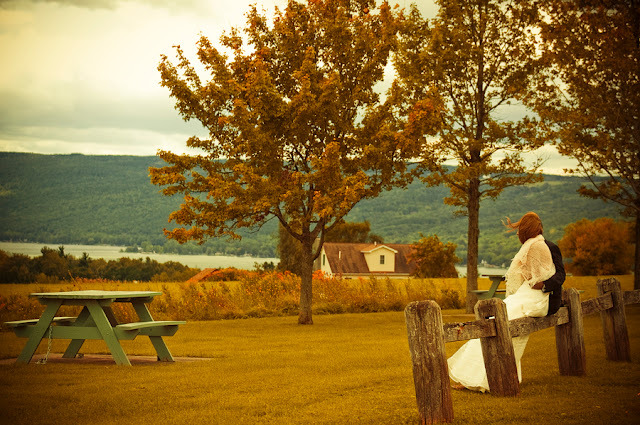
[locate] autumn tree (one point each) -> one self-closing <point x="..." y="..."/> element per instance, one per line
<point x="296" y="129"/>
<point x="354" y="232"/>
<point x="16" y="268"/>
<point x="475" y="58"/>
<point x="588" y="96"/>
<point x="53" y="263"/>
<point x="597" y="248"/>
<point x="434" y="258"/>
<point x="289" y="252"/>
<point x="289" y="248"/>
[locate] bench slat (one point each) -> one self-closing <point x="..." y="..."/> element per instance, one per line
<point x="154" y="324"/>
<point x="155" y="328"/>
<point x="483" y="291"/>
<point x="18" y="323"/>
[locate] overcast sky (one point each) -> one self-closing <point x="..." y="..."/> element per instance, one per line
<point x="79" y="76"/>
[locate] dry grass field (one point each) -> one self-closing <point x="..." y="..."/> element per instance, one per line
<point x="270" y="294"/>
<point x="351" y="368"/>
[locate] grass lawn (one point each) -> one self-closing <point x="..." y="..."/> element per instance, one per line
<point x="349" y="368"/>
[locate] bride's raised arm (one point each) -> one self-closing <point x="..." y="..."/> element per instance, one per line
<point x="538" y="266"/>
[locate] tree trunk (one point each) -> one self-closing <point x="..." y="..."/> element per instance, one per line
<point x="636" y="267"/>
<point x="473" y="233"/>
<point x="306" y="284"/>
<point x="473" y="196"/>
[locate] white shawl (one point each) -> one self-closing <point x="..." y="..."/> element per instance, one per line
<point x="532" y="264"/>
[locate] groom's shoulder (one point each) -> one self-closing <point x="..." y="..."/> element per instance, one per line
<point x="555" y="250"/>
<point x="550" y="244"/>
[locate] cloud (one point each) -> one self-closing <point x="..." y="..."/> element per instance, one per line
<point x="84" y="107"/>
<point x="92" y="141"/>
<point x="88" y="4"/>
<point x="84" y="120"/>
<point x="73" y="77"/>
<point x="182" y="5"/>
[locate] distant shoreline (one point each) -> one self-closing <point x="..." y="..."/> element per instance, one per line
<point x="110" y="252"/>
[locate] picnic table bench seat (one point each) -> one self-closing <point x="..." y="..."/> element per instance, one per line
<point x="484" y="291"/>
<point x="493" y="291"/>
<point x="63" y="320"/>
<point x="150" y="328"/>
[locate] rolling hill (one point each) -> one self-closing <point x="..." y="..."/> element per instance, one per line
<point x="109" y="200"/>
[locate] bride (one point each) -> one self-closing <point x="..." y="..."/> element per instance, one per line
<point x="531" y="266"/>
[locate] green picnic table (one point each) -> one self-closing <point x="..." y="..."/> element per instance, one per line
<point x="493" y="291"/>
<point x="95" y="321"/>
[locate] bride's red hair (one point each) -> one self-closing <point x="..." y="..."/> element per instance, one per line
<point x="529" y="226"/>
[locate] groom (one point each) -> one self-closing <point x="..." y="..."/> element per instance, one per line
<point x="554" y="284"/>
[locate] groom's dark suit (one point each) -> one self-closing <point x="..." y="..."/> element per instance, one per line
<point x="554" y="284"/>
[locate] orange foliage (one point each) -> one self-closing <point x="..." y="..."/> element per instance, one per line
<point x="596" y="248"/>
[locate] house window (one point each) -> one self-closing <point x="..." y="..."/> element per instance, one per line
<point x="324" y="259"/>
<point x="382" y="259"/>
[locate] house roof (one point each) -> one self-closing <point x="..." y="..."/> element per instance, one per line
<point x="348" y="258"/>
<point x="381" y="246"/>
<point x="203" y="275"/>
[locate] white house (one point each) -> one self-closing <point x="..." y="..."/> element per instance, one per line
<point x="365" y="259"/>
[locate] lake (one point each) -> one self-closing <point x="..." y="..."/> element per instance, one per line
<point x="114" y="252"/>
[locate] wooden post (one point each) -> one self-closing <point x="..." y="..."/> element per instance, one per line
<point x="430" y="371"/>
<point x="614" y="325"/>
<point x="572" y="360"/>
<point x="499" y="358"/>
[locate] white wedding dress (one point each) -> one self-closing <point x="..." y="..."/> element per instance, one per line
<point x="532" y="264"/>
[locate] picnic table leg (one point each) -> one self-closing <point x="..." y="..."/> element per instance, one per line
<point x="38" y="332"/>
<point x="108" y="311"/>
<point x="164" y="355"/>
<point x="106" y="330"/>
<point x="491" y="292"/>
<point x="84" y="319"/>
<point x="495" y="282"/>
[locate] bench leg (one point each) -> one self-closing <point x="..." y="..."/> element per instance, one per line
<point x="84" y="319"/>
<point x="164" y="355"/>
<point x="106" y="330"/>
<point x="39" y="331"/>
<point x="108" y="311"/>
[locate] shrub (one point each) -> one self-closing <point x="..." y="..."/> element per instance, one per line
<point x="597" y="248"/>
<point x="450" y="299"/>
<point x="258" y="294"/>
<point x="228" y="274"/>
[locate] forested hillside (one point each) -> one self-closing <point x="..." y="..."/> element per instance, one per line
<point x="65" y="199"/>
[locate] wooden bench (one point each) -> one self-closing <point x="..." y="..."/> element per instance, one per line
<point x="485" y="294"/>
<point x="123" y="331"/>
<point x="22" y="328"/>
<point x="62" y="320"/>
<point x="493" y="291"/>
<point x="151" y="328"/>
